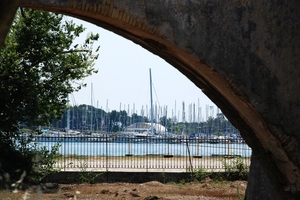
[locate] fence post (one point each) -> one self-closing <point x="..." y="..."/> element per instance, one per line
<point x="147" y="153"/>
<point x="106" y="151"/>
<point x="228" y="147"/>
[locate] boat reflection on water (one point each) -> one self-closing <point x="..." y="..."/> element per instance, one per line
<point x="100" y="137"/>
<point x="132" y="137"/>
<point x="72" y="136"/>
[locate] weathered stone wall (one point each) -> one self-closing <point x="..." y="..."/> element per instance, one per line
<point x="242" y="54"/>
<point x="7" y="12"/>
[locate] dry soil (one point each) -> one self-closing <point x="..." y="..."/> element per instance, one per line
<point x="206" y="189"/>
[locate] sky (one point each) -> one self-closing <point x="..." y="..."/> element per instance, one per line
<point x="123" y="80"/>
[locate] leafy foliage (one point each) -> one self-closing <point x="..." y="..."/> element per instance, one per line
<point x="235" y="168"/>
<point x="44" y="161"/>
<point x="39" y="66"/>
<point x="200" y="174"/>
<point x="21" y="155"/>
<point x="85" y="176"/>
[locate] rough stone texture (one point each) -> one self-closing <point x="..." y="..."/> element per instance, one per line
<point x="259" y="186"/>
<point x="244" y="55"/>
<point x="7" y="12"/>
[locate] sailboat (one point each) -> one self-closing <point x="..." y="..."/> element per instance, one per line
<point x="67" y="129"/>
<point x="96" y="136"/>
<point x="141" y="132"/>
<point x="68" y="135"/>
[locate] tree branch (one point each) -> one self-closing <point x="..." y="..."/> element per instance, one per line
<point x="75" y="51"/>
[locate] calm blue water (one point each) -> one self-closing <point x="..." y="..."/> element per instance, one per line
<point x="121" y="149"/>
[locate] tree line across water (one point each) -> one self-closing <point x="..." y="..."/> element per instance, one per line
<point x="87" y="119"/>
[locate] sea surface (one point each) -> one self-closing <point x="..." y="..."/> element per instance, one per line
<point x="142" y="149"/>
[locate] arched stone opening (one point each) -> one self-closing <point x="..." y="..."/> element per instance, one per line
<point x="233" y="51"/>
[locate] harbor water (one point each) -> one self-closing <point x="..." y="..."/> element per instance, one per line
<point x="142" y="149"/>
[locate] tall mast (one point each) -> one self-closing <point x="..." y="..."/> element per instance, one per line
<point x="68" y="114"/>
<point x="183" y="117"/>
<point x="151" y="102"/>
<point x="91" y="107"/>
<point x="97" y="117"/>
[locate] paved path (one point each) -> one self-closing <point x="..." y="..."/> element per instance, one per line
<point x="149" y="164"/>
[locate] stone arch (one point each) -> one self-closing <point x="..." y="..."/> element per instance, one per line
<point x="243" y="55"/>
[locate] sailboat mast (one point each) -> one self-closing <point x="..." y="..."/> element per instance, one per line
<point x="91" y="107"/>
<point x="151" y="102"/>
<point x="68" y="114"/>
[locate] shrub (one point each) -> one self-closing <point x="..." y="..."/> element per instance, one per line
<point x="235" y="168"/>
<point x="22" y="157"/>
<point x="200" y="174"/>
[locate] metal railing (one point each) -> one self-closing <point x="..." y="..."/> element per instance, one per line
<point x="150" y="154"/>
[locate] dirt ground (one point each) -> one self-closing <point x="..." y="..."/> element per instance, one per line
<point x="206" y="189"/>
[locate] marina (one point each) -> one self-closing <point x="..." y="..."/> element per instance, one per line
<point x="102" y="140"/>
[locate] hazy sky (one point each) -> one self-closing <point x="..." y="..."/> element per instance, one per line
<point x="123" y="79"/>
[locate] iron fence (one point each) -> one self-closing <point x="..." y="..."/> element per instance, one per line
<point x="150" y="154"/>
